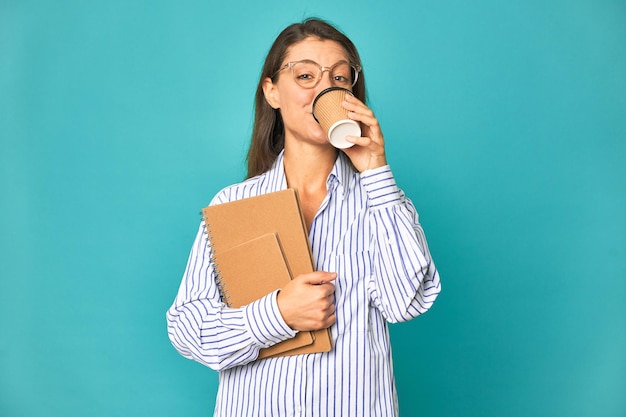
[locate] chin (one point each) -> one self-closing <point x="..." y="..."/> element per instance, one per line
<point x="318" y="135"/>
<point x="322" y="140"/>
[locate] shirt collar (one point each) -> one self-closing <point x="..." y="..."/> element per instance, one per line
<point x="342" y="173"/>
<point x="276" y="174"/>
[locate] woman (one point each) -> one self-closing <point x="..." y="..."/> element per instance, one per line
<point x="372" y="261"/>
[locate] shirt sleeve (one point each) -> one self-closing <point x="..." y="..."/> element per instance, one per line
<point x="201" y="327"/>
<point x="405" y="281"/>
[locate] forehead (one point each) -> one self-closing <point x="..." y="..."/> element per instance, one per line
<point x="324" y="52"/>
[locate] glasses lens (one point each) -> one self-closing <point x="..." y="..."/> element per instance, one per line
<point x="343" y="75"/>
<point x="306" y="74"/>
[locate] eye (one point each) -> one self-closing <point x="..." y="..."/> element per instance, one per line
<point x="305" y="72"/>
<point x="342" y="74"/>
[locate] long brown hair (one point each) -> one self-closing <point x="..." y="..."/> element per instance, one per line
<point x="268" y="133"/>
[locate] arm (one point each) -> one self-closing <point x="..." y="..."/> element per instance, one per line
<point x="405" y="282"/>
<point x="204" y="329"/>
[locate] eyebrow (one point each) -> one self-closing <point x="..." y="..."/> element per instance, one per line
<point x="347" y="61"/>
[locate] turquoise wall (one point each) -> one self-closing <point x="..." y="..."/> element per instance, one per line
<point x="505" y="123"/>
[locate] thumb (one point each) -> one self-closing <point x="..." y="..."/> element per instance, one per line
<point x="319" y="277"/>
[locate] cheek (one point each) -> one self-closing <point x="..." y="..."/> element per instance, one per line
<point x="299" y="105"/>
<point x="301" y="98"/>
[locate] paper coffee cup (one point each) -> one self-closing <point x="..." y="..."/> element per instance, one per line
<point x="330" y="114"/>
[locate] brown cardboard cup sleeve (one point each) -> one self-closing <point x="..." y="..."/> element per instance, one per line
<point x="330" y="114"/>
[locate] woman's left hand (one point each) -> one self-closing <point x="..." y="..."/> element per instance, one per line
<point x="368" y="151"/>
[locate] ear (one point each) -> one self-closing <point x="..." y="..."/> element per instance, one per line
<point x="271" y="93"/>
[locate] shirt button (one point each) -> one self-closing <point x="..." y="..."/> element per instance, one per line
<point x="298" y="408"/>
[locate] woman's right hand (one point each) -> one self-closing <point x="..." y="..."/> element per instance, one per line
<point x="307" y="302"/>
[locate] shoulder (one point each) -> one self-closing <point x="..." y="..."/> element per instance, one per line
<point x="248" y="188"/>
<point x="267" y="182"/>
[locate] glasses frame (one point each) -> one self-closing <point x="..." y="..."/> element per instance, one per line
<point x="357" y="69"/>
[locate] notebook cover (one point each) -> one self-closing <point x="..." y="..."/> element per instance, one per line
<point x="252" y="268"/>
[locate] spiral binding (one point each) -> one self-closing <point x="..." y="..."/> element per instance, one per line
<point x="219" y="279"/>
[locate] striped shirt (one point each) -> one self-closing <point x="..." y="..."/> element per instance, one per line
<point x="368" y="232"/>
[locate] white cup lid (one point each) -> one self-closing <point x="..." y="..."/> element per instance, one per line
<point x="340" y="129"/>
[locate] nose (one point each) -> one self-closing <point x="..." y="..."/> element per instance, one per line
<point x="326" y="80"/>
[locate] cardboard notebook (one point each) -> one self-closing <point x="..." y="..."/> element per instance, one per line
<point x="259" y="244"/>
<point x="251" y="270"/>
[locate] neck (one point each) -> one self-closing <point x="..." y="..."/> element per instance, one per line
<point x="308" y="167"/>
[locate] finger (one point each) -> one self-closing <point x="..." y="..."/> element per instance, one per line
<point x="331" y="309"/>
<point x="359" y="112"/>
<point x="366" y="118"/>
<point x="328" y="292"/>
<point x="359" y="140"/>
<point x="375" y="148"/>
<point x="357" y="106"/>
<point x="350" y="99"/>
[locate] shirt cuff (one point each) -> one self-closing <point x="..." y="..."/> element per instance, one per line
<point x="381" y="188"/>
<point x="265" y="322"/>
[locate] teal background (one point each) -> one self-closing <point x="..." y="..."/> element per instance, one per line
<point x="505" y="124"/>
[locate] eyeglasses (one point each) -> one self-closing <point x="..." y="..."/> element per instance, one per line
<point x="308" y="74"/>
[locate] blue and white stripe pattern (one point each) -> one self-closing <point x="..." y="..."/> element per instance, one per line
<point x="368" y="232"/>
